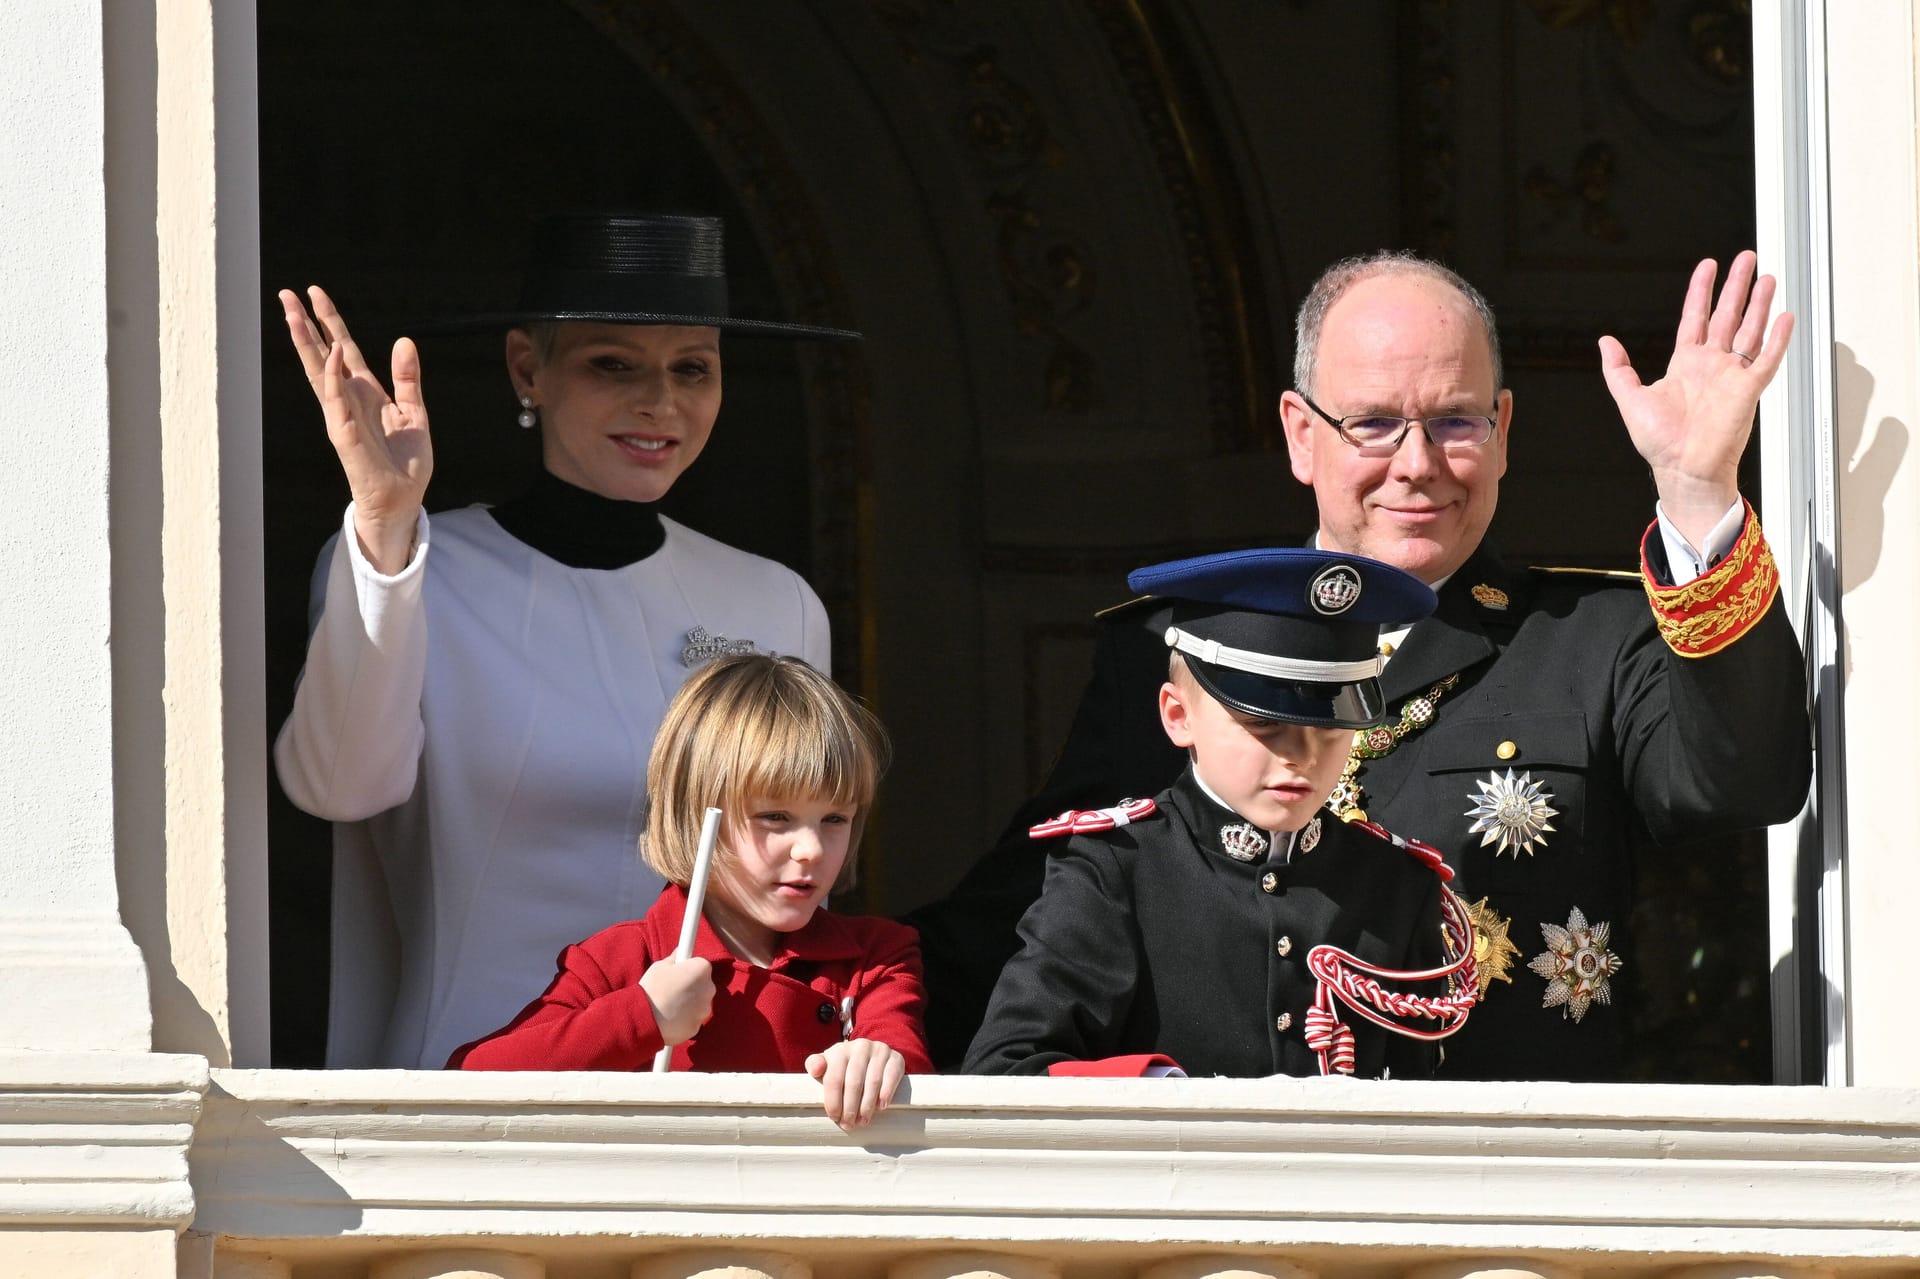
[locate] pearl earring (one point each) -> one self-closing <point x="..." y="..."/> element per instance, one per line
<point x="529" y="416"/>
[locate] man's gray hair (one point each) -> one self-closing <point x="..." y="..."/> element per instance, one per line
<point x="1344" y="274"/>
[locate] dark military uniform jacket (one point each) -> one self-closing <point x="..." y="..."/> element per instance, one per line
<point x="1633" y="744"/>
<point x="1152" y="938"/>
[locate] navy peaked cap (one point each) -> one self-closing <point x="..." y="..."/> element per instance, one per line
<point x="1287" y="633"/>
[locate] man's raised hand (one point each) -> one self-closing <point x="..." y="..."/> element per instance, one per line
<point x="1692" y="425"/>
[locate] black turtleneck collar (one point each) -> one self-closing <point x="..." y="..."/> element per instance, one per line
<point x="581" y="529"/>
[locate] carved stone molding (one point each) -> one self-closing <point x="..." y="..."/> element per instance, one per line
<point x="97" y="1139"/>
<point x="1632" y="1179"/>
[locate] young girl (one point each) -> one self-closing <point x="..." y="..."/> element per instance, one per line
<point x="775" y="982"/>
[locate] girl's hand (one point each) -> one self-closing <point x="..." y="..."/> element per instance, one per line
<point x="382" y="441"/>
<point x="681" y="992"/>
<point x="859" y="1077"/>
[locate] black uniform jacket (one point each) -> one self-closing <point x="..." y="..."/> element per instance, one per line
<point x="1151" y="938"/>
<point x="1635" y="745"/>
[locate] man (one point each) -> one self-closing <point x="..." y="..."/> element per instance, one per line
<point x="1543" y="725"/>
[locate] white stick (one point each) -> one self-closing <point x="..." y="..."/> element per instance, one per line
<point x="696" y="898"/>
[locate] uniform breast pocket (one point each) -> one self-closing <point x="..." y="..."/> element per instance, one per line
<point x="1517" y="786"/>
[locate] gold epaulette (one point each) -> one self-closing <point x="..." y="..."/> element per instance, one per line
<point x="1606" y="574"/>
<point x="1123" y="606"/>
<point x="1718" y="607"/>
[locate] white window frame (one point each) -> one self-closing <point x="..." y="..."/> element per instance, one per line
<point x="1806" y="858"/>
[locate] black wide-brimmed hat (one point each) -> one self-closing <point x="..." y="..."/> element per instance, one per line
<point x="1287" y="633"/>
<point x="632" y="268"/>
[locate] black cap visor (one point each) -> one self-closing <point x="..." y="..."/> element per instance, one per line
<point x="1356" y="705"/>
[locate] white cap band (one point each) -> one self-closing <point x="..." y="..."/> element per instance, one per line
<point x="1240" y="659"/>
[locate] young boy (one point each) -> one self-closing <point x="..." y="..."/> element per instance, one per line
<point x="1227" y="927"/>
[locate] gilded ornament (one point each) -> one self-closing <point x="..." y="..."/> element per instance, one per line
<point x="1703" y="616"/>
<point x="1577" y="965"/>
<point x="1371" y="743"/>
<point x="1493" y="953"/>
<point x="1513" y="811"/>
<point x="1489" y="596"/>
<point x="1344" y="800"/>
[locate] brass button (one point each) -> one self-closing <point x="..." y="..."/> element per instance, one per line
<point x="1269" y="882"/>
<point x="1386" y="649"/>
<point x="1284" y="946"/>
<point x="1506" y="750"/>
<point x="1283" y="1022"/>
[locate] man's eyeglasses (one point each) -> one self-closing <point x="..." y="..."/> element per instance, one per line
<point x="1377" y="433"/>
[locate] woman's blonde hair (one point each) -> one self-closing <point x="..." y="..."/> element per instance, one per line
<point x="752" y="727"/>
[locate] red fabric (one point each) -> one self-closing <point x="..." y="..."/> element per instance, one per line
<point x="595" y="1016"/>
<point x="1130" y="1066"/>
<point x="1701" y="617"/>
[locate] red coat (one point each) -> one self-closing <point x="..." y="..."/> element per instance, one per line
<point x="595" y="1016"/>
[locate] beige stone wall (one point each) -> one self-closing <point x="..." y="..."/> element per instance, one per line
<point x="190" y="748"/>
<point x="1876" y="355"/>
<point x="138" y="1254"/>
<point x="171" y="808"/>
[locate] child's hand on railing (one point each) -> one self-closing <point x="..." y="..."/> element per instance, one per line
<point x="858" y="1078"/>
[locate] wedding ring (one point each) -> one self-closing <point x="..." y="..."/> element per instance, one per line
<point x="1734" y="350"/>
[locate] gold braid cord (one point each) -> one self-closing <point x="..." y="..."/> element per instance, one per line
<point x="1718" y="607"/>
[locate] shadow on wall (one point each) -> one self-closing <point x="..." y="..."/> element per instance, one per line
<point x="1866" y="519"/>
<point x="1869" y="472"/>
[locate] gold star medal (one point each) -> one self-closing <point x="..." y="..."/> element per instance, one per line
<point x="1493" y="954"/>
<point x="1513" y="811"/>
<point x="1576" y="965"/>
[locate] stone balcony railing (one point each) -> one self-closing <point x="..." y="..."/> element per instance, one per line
<point x="394" y="1175"/>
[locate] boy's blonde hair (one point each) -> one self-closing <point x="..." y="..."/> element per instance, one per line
<point x="757" y="726"/>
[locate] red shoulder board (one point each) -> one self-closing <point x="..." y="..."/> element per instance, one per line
<point x="1423" y="852"/>
<point x="1077" y="822"/>
<point x="1133" y="1066"/>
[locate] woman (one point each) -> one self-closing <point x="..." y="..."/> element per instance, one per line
<point x="481" y="690"/>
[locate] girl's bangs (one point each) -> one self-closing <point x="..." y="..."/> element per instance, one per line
<point x="791" y="759"/>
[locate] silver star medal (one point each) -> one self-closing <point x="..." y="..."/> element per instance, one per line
<point x="1244" y="841"/>
<point x="1576" y="965"/>
<point x="703" y="646"/>
<point x="1513" y="811"/>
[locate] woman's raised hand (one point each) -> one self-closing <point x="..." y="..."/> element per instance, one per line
<point x="382" y="440"/>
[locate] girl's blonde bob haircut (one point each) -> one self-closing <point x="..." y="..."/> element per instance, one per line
<point x="756" y="727"/>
